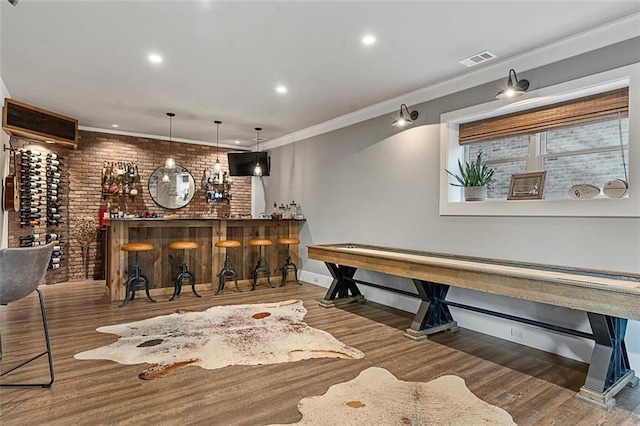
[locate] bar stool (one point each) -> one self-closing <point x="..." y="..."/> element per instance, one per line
<point x="261" y="266"/>
<point x="228" y="268"/>
<point x="288" y="264"/>
<point x="184" y="272"/>
<point x="136" y="275"/>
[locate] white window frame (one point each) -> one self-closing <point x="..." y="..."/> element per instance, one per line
<point x="451" y="200"/>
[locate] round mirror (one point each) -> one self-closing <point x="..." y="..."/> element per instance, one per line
<point x="172" y="188"/>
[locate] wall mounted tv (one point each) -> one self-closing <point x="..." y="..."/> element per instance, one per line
<point x="243" y="163"/>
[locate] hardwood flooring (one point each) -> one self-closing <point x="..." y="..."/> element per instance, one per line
<point x="535" y="387"/>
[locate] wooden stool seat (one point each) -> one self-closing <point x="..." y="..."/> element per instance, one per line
<point x="183" y="245"/>
<point x="260" y="242"/>
<point x="227" y="269"/>
<point x="184" y="270"/>
<point x="288" y="241"/>
<point x="228" y="244"/>
<point x="136" y="279"/>
<point x="137" y="247"/>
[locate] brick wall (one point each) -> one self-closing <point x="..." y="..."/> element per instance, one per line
<point x="81" y="180"/>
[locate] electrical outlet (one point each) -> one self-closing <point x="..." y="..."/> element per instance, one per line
<point x="315" y="280"/>
<point x="517" y="332"/>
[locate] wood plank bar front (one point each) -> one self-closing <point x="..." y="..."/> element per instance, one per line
<point x="610" y="299"/>
<point x="162" y="264"/>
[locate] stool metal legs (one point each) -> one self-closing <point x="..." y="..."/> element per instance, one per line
<point x="177" y="281"/>
<point x="132" y="282"/>
<point x="47" y="352"/>
<point x="289" y="265"/>
<point x="260" y="267"/>
<point x="227" y="270"/>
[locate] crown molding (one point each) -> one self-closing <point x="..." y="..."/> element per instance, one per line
<point x="162" y="138"/>
<point x="586" y="41"/>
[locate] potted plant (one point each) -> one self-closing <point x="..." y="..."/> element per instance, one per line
<point x="474" y="177"/>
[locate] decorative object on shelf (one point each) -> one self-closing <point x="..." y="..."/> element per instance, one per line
<point x="527" y="186"/>
<point x="513" y="90"/>
<point x="584" y="191"/>
<point x="403" y="120"/>
<point x="85" y="233"/>
<point x="474" y="177"/>
<point x="257" y="170"/>
<point x="119" y="178"/>
<point x="217" y="186"/>
<point x="170" y="163"/>
<point x="217" y="167"/>
<point x="616" y="188"/>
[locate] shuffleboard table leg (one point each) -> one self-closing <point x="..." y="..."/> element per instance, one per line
<point x="341" y="287"/>
<point x="432" y="316"/>
<point x="609" y="370"/>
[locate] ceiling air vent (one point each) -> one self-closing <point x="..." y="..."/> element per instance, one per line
<point x="478" y="58"/>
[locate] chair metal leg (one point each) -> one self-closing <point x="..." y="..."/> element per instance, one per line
<point x="47" y="352"/>
<point x="260" y="267"/>
<point x="177" y="281"/>
<point x="133" y="281"/>
<point x="289" y="265"/>
<point x="227" y="270"/>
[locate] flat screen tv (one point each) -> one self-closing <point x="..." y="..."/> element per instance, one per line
<point x="243" y="163"/>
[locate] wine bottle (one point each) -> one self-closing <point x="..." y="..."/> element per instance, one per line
<point x="52" y="236"/>
<point x="52" y="162"/>
<point x="32" y="237"/>
<point x="31" y="244"/>
<point x="52" y="156"/>
<point x="29" y="152"/>
<point x="34" y="222"/>
<point x="53" y="174"/>
<point x="28" y="184"/>
<point x="52" y="191"/>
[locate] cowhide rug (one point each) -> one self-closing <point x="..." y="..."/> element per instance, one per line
<point x="267" y="333"/>
<point x="376" y="397"/>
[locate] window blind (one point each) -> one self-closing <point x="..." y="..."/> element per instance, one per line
<point x="576" y="111"/>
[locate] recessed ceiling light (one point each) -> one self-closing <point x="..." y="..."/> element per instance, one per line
<point x="154" y="58"/>
<point x="368" y="40"/>
<point x="114" y="125"/>
<point x="281" y="89"/>
<point x="237" y="142"/>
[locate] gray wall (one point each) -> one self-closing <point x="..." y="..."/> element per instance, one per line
<point x="371" y="183"/>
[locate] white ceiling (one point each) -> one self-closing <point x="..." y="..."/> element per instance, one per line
<point x="222" y="60"/>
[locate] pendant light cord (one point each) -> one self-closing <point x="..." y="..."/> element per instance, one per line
<point x="624" y="163"/>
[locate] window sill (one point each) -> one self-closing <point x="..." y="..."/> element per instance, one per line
<point x="595" y="207"/>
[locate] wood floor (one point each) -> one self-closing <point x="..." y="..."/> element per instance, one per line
<point x="533" y="386"/>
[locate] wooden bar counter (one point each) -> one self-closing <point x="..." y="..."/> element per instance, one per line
<point x="161" y="264"/>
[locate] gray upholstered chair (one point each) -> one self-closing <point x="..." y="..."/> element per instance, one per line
<point x="21" y="270"/>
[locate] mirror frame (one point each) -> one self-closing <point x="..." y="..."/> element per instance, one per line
<point x="155" y="181"/>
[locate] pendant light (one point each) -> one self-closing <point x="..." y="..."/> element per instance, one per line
<point x="170" y="163"/>
<point x="257" y="170"/>
<point x="217" y="167"/>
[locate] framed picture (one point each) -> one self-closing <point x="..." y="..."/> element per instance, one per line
<point x="527" y="186"/>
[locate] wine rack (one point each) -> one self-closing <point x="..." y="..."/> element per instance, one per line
<point x="56" y="256"/>
<point x="31" y="188"/>
<point x="54" y="213"/>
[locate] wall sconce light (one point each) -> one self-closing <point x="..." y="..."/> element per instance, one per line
<point x="257" y="170"/>
<point x="512" y="90"/>
<point x="170" y="163"/>
<point x="403" y="120"/>
<point x="217" y="167"/>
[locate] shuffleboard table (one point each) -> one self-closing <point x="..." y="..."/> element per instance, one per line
<point x="609" y="299"/>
